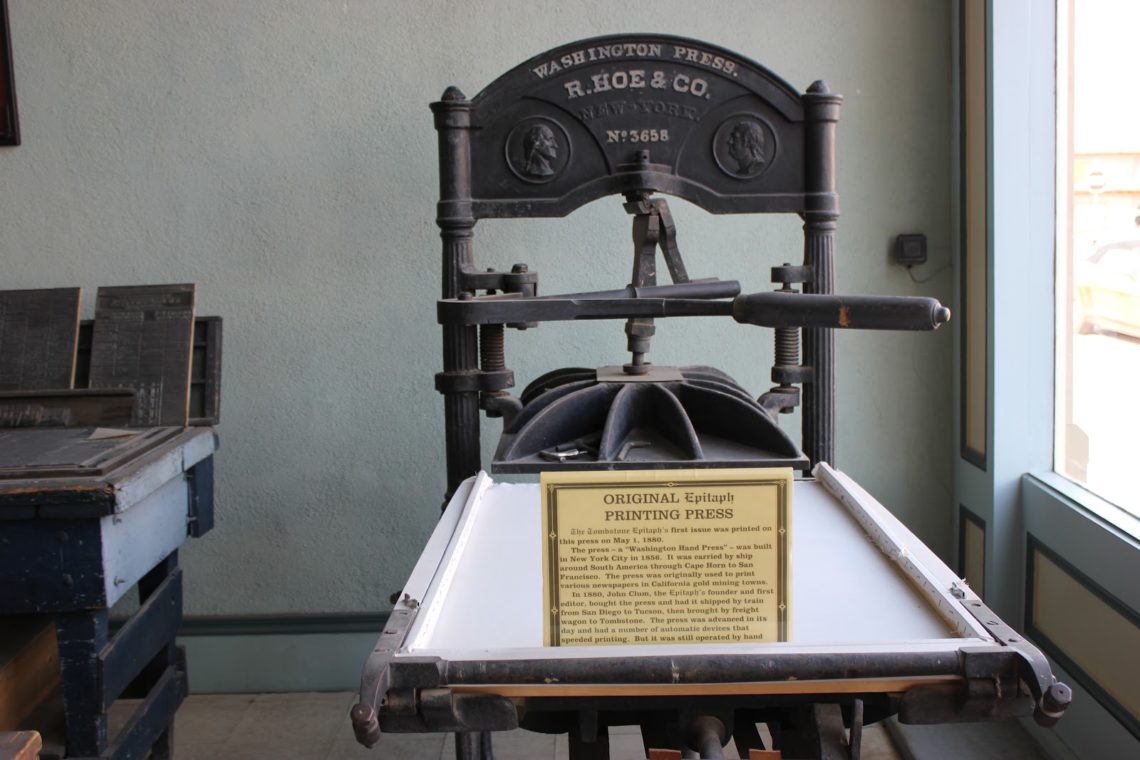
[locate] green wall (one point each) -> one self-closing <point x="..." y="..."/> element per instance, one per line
<point x="280" y="154"/>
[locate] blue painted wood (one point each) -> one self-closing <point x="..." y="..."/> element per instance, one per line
<point x="52" y="566"/>
<point x="1109" y="556"/>
<point x="82" y="635"/>
<point x="54" y="532"/>
<point x="201" y="478"/>
<point x="151" y="720"/>
<point x="149" y="632"/>
<point x="151" y="587"/>
<point x="63" y="474"/>
<point x="83" y="499"/>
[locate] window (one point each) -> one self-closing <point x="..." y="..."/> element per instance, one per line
<point x="1098" y="248"/>
<point x="1030" y="514"/>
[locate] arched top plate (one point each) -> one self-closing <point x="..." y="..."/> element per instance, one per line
<point x="581" y="61"/>
<point x="627" y="113"/>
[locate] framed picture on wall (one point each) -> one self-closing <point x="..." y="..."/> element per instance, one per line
<point x="9" y="123"/>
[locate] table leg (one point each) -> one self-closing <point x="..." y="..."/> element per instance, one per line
<point x="745" y="734"/>
<point x="163" y="748"/>
<point x="580" y="749"/>
<point x="473" y="745"/>
<point x="660" y="732"/>
<point x="82" y="635"/>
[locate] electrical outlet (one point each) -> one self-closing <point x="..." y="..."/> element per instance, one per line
<point x="910" y="250"/>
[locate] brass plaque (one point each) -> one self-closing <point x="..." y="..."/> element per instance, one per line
<point x="666" y="556"/>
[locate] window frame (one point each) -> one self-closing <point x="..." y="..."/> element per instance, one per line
<point x="1022" y="495"/>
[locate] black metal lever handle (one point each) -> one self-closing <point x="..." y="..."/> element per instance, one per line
<point x="774" y="309"/>
<point x="709" y="288"/>
<point x="777" y="309"/>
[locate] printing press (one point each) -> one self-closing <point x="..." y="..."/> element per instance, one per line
<point x="643" y="117"/>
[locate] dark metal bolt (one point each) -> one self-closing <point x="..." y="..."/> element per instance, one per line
<point x="365" y="724"/>
<point x="492" y="358"/>
<point x="638" y="366"/>
<point x="1052" y="704"/>
<point x="492" y="354"/>
<point x="1057" y="697"/>
<point x="787" y="346"/>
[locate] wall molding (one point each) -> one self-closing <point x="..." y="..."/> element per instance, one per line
<point x="283" y="625"/>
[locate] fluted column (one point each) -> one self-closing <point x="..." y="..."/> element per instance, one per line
<point x="821" y="112"/>
<point x="460" y="342"/>
<point x="819" y="347"/>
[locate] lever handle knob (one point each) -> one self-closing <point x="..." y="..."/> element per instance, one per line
<point x="777" y="309"/>
<point x="365" y="724"/>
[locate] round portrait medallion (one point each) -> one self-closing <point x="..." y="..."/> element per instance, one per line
<point x="538" y="149"/>
<point x="744" y="146"/>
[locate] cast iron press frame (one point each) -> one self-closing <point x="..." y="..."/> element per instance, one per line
<point x="634" y="115"/>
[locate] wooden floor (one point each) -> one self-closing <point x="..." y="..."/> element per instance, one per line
<point x="315" y="726"/>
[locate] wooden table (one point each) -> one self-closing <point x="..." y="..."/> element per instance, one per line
<point x="86" y="515"/>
